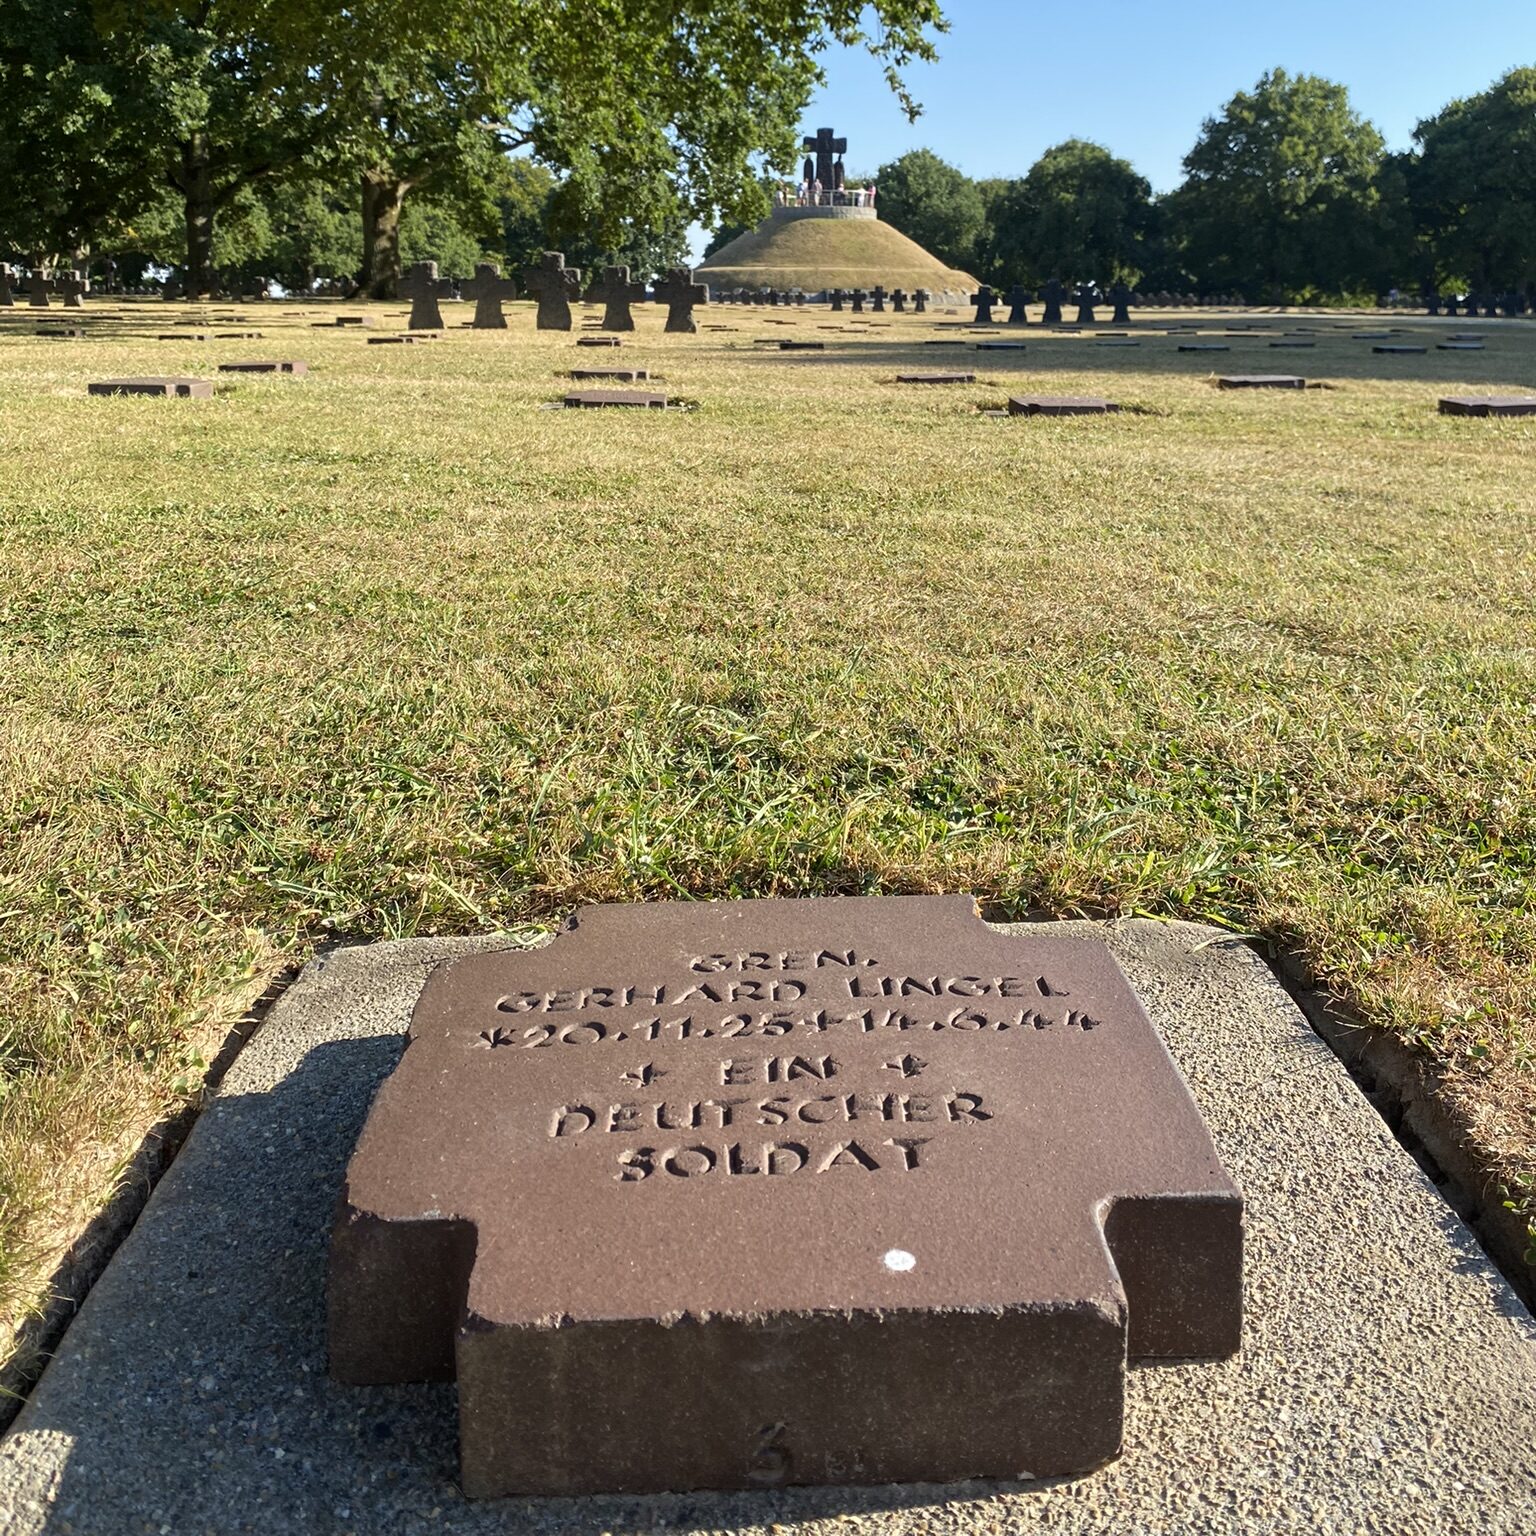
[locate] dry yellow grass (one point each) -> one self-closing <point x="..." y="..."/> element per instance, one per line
<point x="392" y="649"/>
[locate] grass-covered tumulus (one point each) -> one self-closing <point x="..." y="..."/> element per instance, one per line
<point x="392" y="649"/>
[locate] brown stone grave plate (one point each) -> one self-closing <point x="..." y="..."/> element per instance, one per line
<point x="186" y="389"/>
<point x="945" y="341"/>
<point x="1488" y="405"/>
<point x="1293" y="346"/>
<point x="802" y="346"/>
<point x="935" y="378"/>
<point x="625" y="375"/>
<point x="1400" y="351"/>
<point x="1460" y="346"/>
<point x="1369" y="335"/>
<point x="270" y="365"/>
<point x="597" y="341"/>
<point x="182" y="336"/>
<point x="405" y="339"/>
<point x="1260" y="381"/>
<point x="736" y="1194"/>
<point x="1059" y="405"/>
<point x="585" y="398"/>
<point x="69" y="332"/>
<point x="987" y="346"/>
<point x="1204" y="346"/>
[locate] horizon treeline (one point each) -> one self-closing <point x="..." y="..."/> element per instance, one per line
<point x="231" y="141"/>
<point x="1288" y="196"/>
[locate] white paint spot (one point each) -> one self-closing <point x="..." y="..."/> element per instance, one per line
<point x="899" y="1261"/>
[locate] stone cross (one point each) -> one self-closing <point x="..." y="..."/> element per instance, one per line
<point x="984" y="298"/>
<point x="74" y="285"/>
<point x="773" y="297"/>
<point x="1120" y="297"/>
<point x="1450" y="303"/>
<point x="554" y="285"/>
<point x="800" y="298"/>
<point x="7" y="277"/>
<point x="680" y="293"/>
<point x="1018" y="297"/>
<point x="837" y="296"/>
<point x="1053" y="293"/>
<point x="38" y="286"/>
<point x="1085" y="304"/>
<point x="824" y="146"/>
<point x="423" y="287"/>
<point x="488" y="288"/>
<point x="920" y="301"/>
<point x="617" y="293"/>
<point x="1432" y="301"/>
<point x="899" y="300"/>
<point x="878" y="298"/>
<point x="858" y="296"/>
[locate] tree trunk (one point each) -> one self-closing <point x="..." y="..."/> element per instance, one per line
<point x="382" y="196"/>
<point x="197" y="196"/>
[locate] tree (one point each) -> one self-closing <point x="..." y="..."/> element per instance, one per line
<point x="933" y="203"/>
<point x="1079" y="213"/>
<point x="1281" y="194"/>
<point x="1473" y="188"/>
<point x="651" y="111"/>
<point x="73" y="167"/>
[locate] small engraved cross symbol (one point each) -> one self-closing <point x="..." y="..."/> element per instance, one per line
<point x="908" y="1066"/>
<point x="491" y="1038"/>
<point x="643" y="1077"/>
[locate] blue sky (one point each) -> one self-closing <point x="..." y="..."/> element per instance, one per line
<point x="1014" y="77"/>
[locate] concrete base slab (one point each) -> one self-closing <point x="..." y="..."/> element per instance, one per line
<point x="1387" y="1381"/>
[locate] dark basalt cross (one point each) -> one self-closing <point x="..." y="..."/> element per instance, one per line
<point x="858" y="296"/>
<point x="920" y="301"/>
<point x="1120" y="297"/>
<point x="826" y="148"/>
<point x="877" y="298"/>
<point x="616" y="293"/>
<point x="898" y="301"/>
<point x="554" y="285"/>
<point x="489" y="289"/>
<point x="1052" y="294"/>
<point x="984" y="298"/>
<point x="678" y="291"/>
<point x="7" y="291"/>
<point x="837" y="296"/>
<point x="423" y="287"/>
<point x="1018" y="297"/>
<point x="744" y="1194"/>
<point x="74" y="285"/>
<point x="1085" y="299"/>
<point x="37" y="286"/>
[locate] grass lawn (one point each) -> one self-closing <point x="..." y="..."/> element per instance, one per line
<point x="392" y="650"/>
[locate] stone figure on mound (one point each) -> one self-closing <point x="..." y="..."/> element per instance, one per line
<point x="616" y="293"/>
<point x="488" y="288"/>
<point x="423" y="287"/>
<point x="554" y="285"/>
<point x="678" y="291"/>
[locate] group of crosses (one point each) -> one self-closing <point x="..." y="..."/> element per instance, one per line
<point x="71" y="285"/>
<point x="554" y="285"/>
<point x="1052" y="295"/>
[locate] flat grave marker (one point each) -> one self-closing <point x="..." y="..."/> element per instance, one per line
<point x="184" y="389"/>
<point x="1204" y="346"/>
<point x="1397" y="349"/>
<point x="802" y="346"/>
<point x="1260" y="381"/>
<point x="935" y="378"/>
<point x="585" y="399"/>
<point x="598" y="341"/>
<point x="1460" y="346"/>
<point x="781" y="1192"/>
<point x="1488" y="405"/>
<point x="268" y="365"/>
<point x="625" y="375"/>
<point x="1059" y="405"/>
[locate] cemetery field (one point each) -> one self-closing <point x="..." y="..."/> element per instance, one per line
<point x="392" y="649"/>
